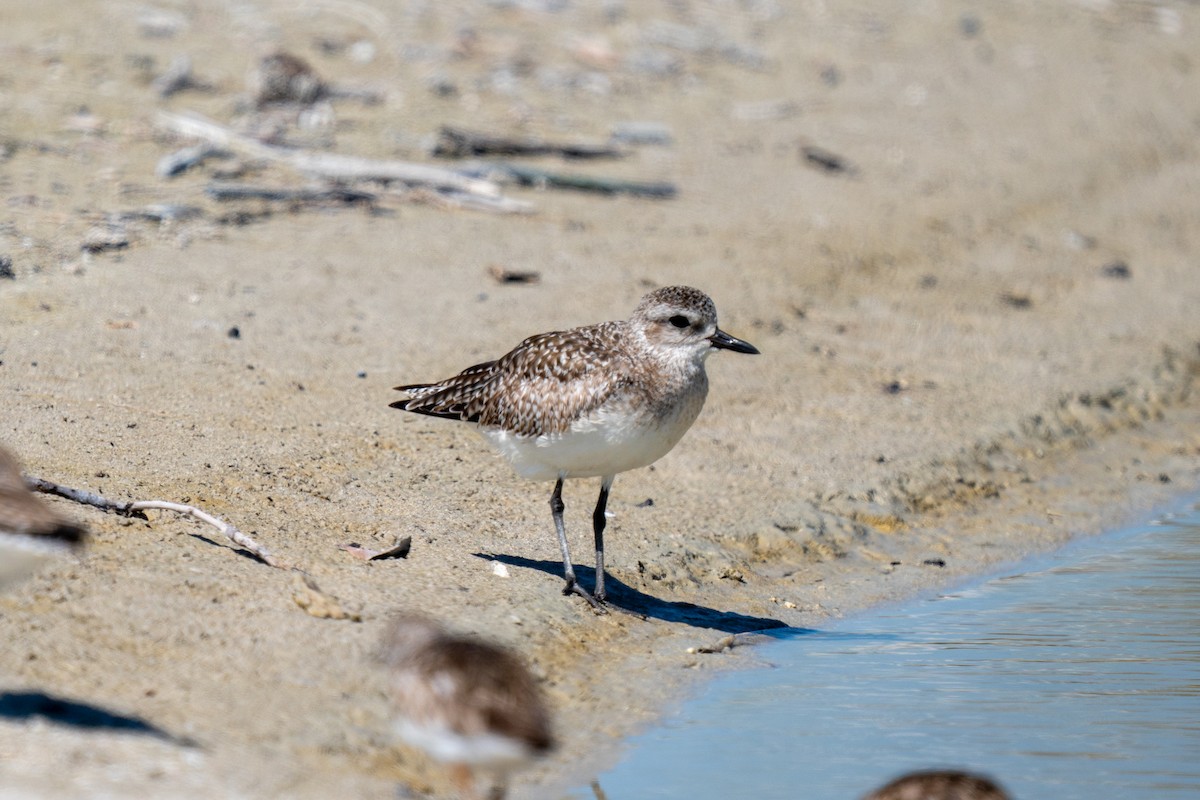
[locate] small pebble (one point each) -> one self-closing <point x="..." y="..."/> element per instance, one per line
<point x="825" y="160"/>
<point x="362" y="52"/>
<point x="102" y="238"/>
<point x="1117" y="269"/>
<point x="1017" y="300"/>
<point x="513" y="276"/>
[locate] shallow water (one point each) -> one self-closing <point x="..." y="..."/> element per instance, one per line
<point x="1073" y="676"/>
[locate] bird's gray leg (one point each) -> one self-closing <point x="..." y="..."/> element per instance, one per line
<point x="599" y="520"/>
<point x="556" y="508"/>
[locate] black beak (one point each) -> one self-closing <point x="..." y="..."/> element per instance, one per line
<point x="724" y="341"/>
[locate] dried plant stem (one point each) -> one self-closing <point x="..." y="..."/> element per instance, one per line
<point x="328" y="165"/>
<point x="137" y="508"/>
<point x="462" y="143"/>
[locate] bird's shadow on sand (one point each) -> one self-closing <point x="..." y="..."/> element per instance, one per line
<point x="626" y="597"/>
<point x="22" y="706"/>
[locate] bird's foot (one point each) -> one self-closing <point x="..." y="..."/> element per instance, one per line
<point x="599" y="604"/>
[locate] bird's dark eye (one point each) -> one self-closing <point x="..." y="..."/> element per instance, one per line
<point x="679" y="321"/>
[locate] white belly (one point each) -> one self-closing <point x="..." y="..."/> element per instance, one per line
<point x="21" y="556"/>
<point x="608" y="442"/>
<point x="485" y="750"/>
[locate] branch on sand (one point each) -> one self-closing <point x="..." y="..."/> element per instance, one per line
<point x="462" y="143"/>
<point x="330" y="166"/>
<point x="137" y="508"/>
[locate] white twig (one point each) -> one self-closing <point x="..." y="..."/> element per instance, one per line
<point x="461" y="200"/>
<point x="328" y="165"/>
<point x="137" y="507"/>
<point x="235" y="536"/>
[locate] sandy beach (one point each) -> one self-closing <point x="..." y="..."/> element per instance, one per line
<point x="962" y="236"/>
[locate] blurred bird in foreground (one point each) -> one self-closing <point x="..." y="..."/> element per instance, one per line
<point x="468" y="704"/>
<point x="31" y="533"/>
<point x="939" y="785"/>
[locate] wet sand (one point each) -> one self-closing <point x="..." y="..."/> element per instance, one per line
<point x="979" y="340"/>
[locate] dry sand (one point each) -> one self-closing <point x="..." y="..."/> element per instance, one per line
<point x="956" y="371"/>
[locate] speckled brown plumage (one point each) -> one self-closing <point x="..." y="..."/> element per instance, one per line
<point x="31" y="533"/>
<point x="939" y="785"/>
<point x="284" y="78"/>
<point x="579" y="370"/>
<point x="22" y="512"/>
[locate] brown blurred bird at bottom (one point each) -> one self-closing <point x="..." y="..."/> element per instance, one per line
<point x="939" y="785"/>
<point x="31" y="533"/>
<point x="470" y="705"/>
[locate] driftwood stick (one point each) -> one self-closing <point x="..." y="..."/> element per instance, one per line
<point x="328" y="165"/>
<point x="241" y="191"/>
<point x="473" y="202"/>
<point x="83" y="496"/>
<point x="351" y="168"/>
<point x="181" y="161"/>
<point x="137" y="508"/>
<point x="462" y="143"/>
<point x="234" y="535"/>
<point x="533" y="176"/>
<point x="216" y="134"/>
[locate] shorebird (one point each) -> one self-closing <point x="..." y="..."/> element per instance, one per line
<point x="284" y="78"/>
<point x="31" y="533"/>
<point x="468" y="704"/>
<point x="590" y="402"/>
<point x="939" y="785"/>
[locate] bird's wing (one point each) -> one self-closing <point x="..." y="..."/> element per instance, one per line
<point x="449" y="398"/>
<point x="22" y="512"/>
<point x="539" y="387"/>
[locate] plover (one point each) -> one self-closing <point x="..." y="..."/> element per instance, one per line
<point x="284" y="78"/>
<point x="939" y="785"/>
<point x="590" y="402"/>
<point x="31" y="533"/>
<point x="468" y="704"/>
